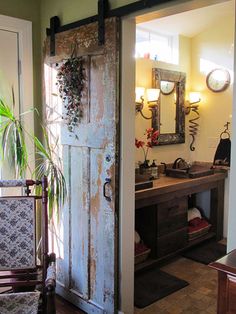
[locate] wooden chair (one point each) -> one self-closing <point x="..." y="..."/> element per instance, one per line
<point x="29" y="274"/>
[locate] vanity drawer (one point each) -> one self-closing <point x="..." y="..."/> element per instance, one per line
<point x="171" y="224"/>
<point x="172" y="242"/>
<point x="170" y="209"/>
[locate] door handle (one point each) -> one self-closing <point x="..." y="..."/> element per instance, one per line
<point x="107" y="181"/>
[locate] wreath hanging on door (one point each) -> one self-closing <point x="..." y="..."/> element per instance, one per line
<point x="71" y="79"/>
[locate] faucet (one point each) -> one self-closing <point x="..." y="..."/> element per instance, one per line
<point x="180" y="163"/>
<point x="165" y="167"/>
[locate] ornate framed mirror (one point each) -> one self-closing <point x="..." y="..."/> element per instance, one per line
<point x="170" y="118"/>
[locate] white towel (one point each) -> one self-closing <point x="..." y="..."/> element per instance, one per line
<point x="193" y="213"/>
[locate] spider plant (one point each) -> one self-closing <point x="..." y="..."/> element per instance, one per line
<point x="14" y="150"/>
<point x="48" y="164"/>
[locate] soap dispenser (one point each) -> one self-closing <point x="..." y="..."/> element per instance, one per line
<point x="154" y="170"/>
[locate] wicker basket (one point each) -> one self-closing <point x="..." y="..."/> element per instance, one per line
<point x="139" y="258"/>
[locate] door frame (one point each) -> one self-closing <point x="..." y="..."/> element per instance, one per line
<point x="127" y="157"/>
<point x="23" y="29"/>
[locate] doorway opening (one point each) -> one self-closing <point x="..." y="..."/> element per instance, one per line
<point x="180" y="43"/>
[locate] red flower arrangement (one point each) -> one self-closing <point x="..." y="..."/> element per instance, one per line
<point x="152" y="139"/>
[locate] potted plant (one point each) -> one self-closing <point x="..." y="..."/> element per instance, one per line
<point x="152" y="139"/>
<point x="14" y="149"/>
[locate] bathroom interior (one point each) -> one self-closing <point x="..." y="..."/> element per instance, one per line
<point x="184" y="92"/>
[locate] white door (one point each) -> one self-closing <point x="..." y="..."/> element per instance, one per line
<point x="16" y="75"/>
<point x="9" y="66"/>
<point x="9" y="78"/>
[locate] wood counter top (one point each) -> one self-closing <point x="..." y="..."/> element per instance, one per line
<point x="226" y="267"/>
<point x="226" y="264"/>
<point x="174" y="187"/>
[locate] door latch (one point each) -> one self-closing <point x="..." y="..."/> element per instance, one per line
<point x="107" y="181"/>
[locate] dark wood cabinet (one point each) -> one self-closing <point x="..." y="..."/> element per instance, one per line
<point x="171" y="216"/>
<point x="161" y="213"/>
<point x="226" y="267"/>
<point x="172" y="242"/>
<point x="171" y="226"/>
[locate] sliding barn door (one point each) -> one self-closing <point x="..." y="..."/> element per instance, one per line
<point x="85" y="238"/>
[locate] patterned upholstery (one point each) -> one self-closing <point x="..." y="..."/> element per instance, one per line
<point x="12" y="183"/>
<point x="19" y="303"/>
<point x="17" y="233"/>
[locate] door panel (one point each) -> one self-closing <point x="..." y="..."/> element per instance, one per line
<point x="79" y="219"/>
<point x="9" y="68"/>
<point x="85" y="239"/>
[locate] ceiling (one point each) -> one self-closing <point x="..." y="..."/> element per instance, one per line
<point x="192" y="22"/>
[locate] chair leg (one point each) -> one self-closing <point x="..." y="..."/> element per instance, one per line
<point x="51" y="306"/>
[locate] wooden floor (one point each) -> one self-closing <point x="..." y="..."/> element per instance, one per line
<point x="64" y="307"/>
<point x="197" y="298"/>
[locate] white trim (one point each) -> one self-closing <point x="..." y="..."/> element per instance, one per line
<point x="24" y="30"/>
<point x="127" y="164"/>
<point x="231" y="239"/>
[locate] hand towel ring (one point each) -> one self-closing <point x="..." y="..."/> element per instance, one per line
<point x="226" y="130"/>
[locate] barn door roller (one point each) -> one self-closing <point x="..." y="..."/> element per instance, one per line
<point x="103" y="8"/>
<point x="54" y="25"/>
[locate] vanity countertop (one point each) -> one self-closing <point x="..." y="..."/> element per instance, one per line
<point x="174" y="187"/>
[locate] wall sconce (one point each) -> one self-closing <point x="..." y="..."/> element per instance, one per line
<point x="152" y="100"/>
<point x="192" y="105"/>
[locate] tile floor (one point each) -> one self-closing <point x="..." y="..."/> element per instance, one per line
<point x="199" y="297"/>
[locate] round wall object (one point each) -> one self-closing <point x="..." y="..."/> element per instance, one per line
<point x="218" y="80"/>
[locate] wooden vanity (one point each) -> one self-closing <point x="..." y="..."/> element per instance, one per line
<point x="161" y="213"/>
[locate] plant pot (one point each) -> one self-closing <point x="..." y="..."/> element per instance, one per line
<point x="144" y="168"/>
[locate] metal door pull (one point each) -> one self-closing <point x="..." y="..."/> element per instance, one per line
<point x="107" y="181"/>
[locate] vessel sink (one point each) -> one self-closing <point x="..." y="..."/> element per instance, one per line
<point x="194" y="171"/>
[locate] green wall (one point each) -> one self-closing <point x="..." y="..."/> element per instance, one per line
<point x="72" y="10"/>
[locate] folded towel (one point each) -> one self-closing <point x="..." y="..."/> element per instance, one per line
<point x="137" y="238"/>
<point x="195" y="228"/>
<point x="195" y="222"/>
<point x="140" y="248"/>
<point x="194" y="213"/>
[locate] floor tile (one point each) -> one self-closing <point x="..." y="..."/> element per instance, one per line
<point x="200" y="297"/>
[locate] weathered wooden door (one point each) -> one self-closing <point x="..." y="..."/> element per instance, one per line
<point x="85" y="240"/>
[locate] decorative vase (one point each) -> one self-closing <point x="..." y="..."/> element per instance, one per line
<point x="144" y="168"/>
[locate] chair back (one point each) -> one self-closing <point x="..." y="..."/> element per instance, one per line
<point x="17" y="233"/>
<point x="18" y="225"/>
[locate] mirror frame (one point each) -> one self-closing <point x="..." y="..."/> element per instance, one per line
<point x="179" y="78"/>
